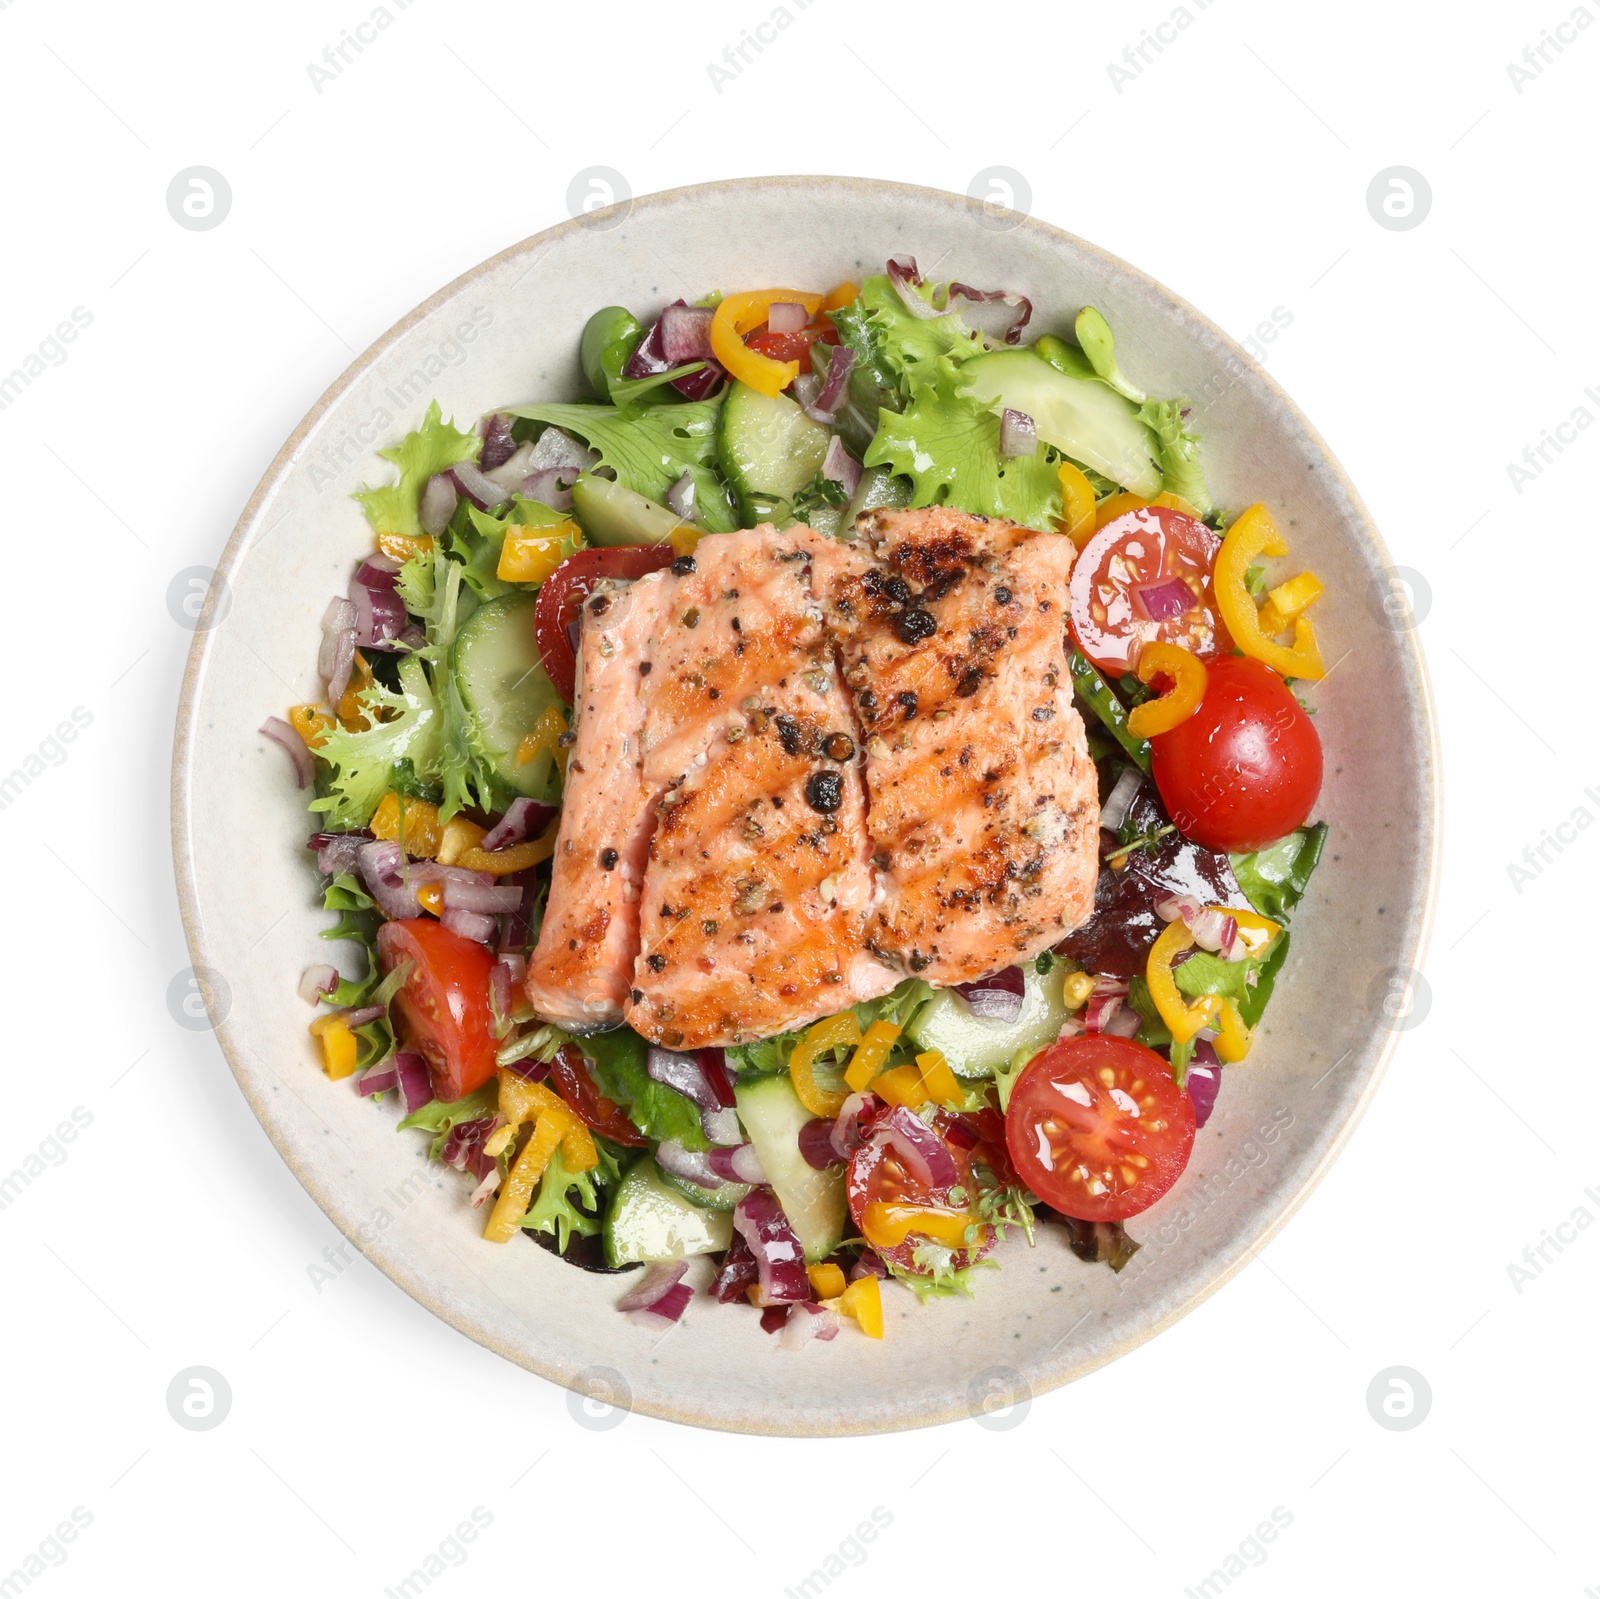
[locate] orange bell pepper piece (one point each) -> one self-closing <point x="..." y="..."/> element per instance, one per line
<point x="515" y="858"/>
<point x="1077" y="504"/>
<point x="739" y="314"/>
<point x="871" y="1053"/>
<point x="885" y="1225"/>
<point x="1188" y="674"/>
<point x="1252" y="535"/>
<point x="863" y="1300"/>
<point x="312" y="723"/>
<point x="834" y="1032"/>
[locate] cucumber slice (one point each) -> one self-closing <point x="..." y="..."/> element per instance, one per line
<point x="724" y="1197"/>
<point x="814" y="1201"/>
<point x="1084" y="419"/>
<point x="976" y="1046"/>
<point x="878" y="489"/>
<point x="505" y="690"/>
<point x="611" y="515"/>
<point x="649" y="1221"/>
<point x="769" y="449"/>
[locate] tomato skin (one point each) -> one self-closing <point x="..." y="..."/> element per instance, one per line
<point x="566" y="588"/>
<point x="570" y="1074"/>
<point x="875" y="1174"/>
<point x="1064" y="1108"/>
<point x="1108" y="620"/>
<point x="1246" y="768"/>
<point x="443" y="1012"/>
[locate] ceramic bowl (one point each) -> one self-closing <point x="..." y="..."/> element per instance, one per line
<point x="508" y="331"/>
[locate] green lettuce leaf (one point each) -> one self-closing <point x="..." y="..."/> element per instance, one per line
<point x="566" y="1201"/>
<point x="1205" y="973"/>
<point x="435" y="446"/>
<point x="1256" y="997"/>
<point x="363" y="765"/>
<point x="919" y="352"/>
<point x="1275" y="879"/>
<point x="475" y="538"/>
<point x="438" y="1116"/>
<point x="1179" y="453"/>
<point x="618" y="1061"/>
<point x="650" y="447"/>
<point x="949" y="446"/>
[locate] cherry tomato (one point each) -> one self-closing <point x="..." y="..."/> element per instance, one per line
<point x="784" y="346"/>
<point x="565" y="590"/>
<point x="1245" y="769"/>
<point x="570" y="1074"/>
<point x="443" y="1010"/>
<point x="1097" y="1127"/>
<point x="1117" y="600"/>
<point x="876" y="1176"/>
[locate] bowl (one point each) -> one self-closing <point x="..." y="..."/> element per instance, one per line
<point x="507" y="331"/>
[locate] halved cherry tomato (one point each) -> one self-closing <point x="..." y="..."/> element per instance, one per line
<point x="566" y="588"/>
<point x="1097" y="1127"/>
<point x="443" y="1010"/>
<point x="1245" y="769"/>
<point x="877" y="1177"/>
<point x="1133" y="555"/>
<point x="570" y="1074"/>
<point x="785" y="346"/>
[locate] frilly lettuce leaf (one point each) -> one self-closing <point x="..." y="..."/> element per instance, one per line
<point x="1180" y="452"/>
<point x="436" y="445"/>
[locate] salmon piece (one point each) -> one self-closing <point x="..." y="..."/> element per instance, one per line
<point x="984" y="813"/>
<point x="582" y="967"/>
<point x="758" y="887"/>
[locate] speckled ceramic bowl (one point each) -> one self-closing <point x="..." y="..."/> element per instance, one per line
<point x="507" y="331"/>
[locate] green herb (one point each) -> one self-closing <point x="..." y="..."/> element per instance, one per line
<point x="1096" y="693"/>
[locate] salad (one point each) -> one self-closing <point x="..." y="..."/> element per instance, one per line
<point x="831" y="799"/>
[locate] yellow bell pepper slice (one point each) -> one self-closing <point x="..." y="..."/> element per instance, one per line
<point x="684" y="537"/>
<point x="835" y="1032"/>
<point x="901" y="1085"/>
<point x="1077" y="504"/>
<point x="938" y="1081"/>
<point x="863" y="1301"/>
<point x="1184" y="1020"/>
<point x="1181" y="701"/>
<point x="546" y="735"/>
<point x="458" y="837"/>
<point x="521" y="1101"/>
<point x="843" y="294"/>
<point x="739" y="314"/>
<point x="1252" y="535"/>
<point x="414" y="821"/>
<point x="827" y="1282"/>
<point x="431" y="898"/>
<point x="312" y="723"/>
<point x="530" y="555"/>
<point x="884" y="1225"/>
<point x="339" y="1045"/>
<point x="402" y="546"/>
<point x="1115" y="505"/>
<point x="516" y="1192"/>
<point x="871" y="1053"/>
<point x="1233" y="1037"/>
<point x="1287" y="601"/>
<point x="514" y="858"/>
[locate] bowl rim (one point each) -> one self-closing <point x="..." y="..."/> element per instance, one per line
<point x="310" y="1176"/>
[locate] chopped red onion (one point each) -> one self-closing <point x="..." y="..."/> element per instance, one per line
<point x="360" y="1015"/>
<point x="774" y="1318"/>
<point x="317" y="982"/>
<point x="1008" y="330"/>
<point x="905" y="280"/>
<point x="737" y="1272"/>
<point x="552" y="486"/>
<point x="807" y="1321"/>
<point x="692" y="1165"/>
<point x="649" y="358"/>
<point x="516" y="928"/>
<point x="484" y="1192"/>
<point x="997" y="997"/>
<point x="380" y="616"/>
<point x="1115" y="810"/>
<point x="840" y="466"/>
<point x="1167" y="600"/>
<point x="502" y="996"/>
<point x="480" y="897"/>
<point x="1008" y="978"/>
<point x="498" y="445"/>
<point x="659" y="1278"/>
<point x="823" y="407"/>
<point x="377" y="1079"/>
<point x="392" y="886"/>
<point x="1124" y="1024"/>
<point x="683" y="1073"/>
<point x="515" y="966"/>
<point x="738" y="1165"/>
<point x="510" y="474"/>
<point x="1180" y="906"/>
<point x="850" y="1126"/>
<point x="378" y="571"/>
<point x="305" y="766"/>
<point x="480" y="928"/>
<point x="338" y="652"/>
<point x="423" y="873"/>
<point x="680" y="498"/>
<point x="1111" y="986"/>
<point x="415" y="1088"/>
<point x="816" y="1145"/>
<point x="1099" y="1012"/>
<point x="1203" y="1081"/>
<point x="721" y="1126"/>
<point x="686" y="332"/>
<point x="438" y="504"/>
<point x="959" y="1131"/>
<point x="921" y="1150"/>
<point x="412" y="638"/>
<point x="338" y="852"/>
<point x="714" y="1063"/>
<point x="557" y="447"/>
<point x="785" y="316"/>
<point x="522" y="817"/>
<point x="869" y="1265"/>
<point x="780" y="1261"/>
<point x="1018" y="435"/>
<point x="1214" y="929"/>
<point x="483" y="491"/>
<point x="465" y="1140"/>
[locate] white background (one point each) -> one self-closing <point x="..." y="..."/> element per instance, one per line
<point x="1234" y="167"/>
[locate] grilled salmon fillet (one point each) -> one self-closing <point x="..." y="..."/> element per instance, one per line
<point x="582" y="967"/>
<point x="984" y="814"/>
<point x="758" y="887"/>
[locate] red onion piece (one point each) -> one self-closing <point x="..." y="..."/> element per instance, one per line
<point x="523" y="818"/>
<point x="658" y="1279"/>
<point x="465" y="1140"/>
<point x="683" y="1073"/>
<point x="1124" y="1024"/>
<point x="415" y="1088"/>
<point x="1203" y="1082"/>
<point x="869" y="1265"/>
<point x="1184" y="907"/>
<point x="1009" y="979"/>
<point x="721" y="1126"/>
<point x="921" y="1150"/>
<point x="509" y="475"/>
<point x="1104" y="985"/>
<point x="317" y="982"/>
<point x="380" y="616"/>
<point x="552" y="486"/>
<point x="516" y="928"/>
<point x="959" y="1131"/>
<point x="1007" y="329"/>
<point x="774" y="1318"/>
<point x="736" y="1273"/>
<point x="378" y="570"/>
<point x="389" y="882"/>
<point x="692" y="1165"/>
<point x="1018" y="435"/>
<point x="502" y="991"/>
<point x="840" y="466"/>
<point x="680" y="498"/>
<point x="785" y="316"/>
<point x="438" y="504"/>
<point x="480" y="897"/>
<point x="857" y="1113"/>
<point x="714" y="1063"/>
<point x="423" y="873"/>
<point x="780" y="1261"/>
<point x="905" y="280"/>
<point x="377" y="1080"/>
<point x="816" y="1145"/>
<point x="305" y="766"/>
<point x="1099" y="1012"/>
<point x="360" y="1015"/>
<point x="823" y="407"/>
<point x="482" y="490"/>
<point x="557" y="447"/>
<point x="672" y="1304"/>
<point x="991" y="1004"/>
<point x="482" y="1194"/>
<point x="1123" y="792"/>
<point x="738" y="1165"/>
<point x="806" y="1322"/>
<point x="649" y="358"/>
<point x="479" y="927"/>
<point x="338" y="852"/>
<point x="338" y="652"/>
<point x="1167" y="600"/>
<point x="498" y="445"/>
<point x="686" y="332"/>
